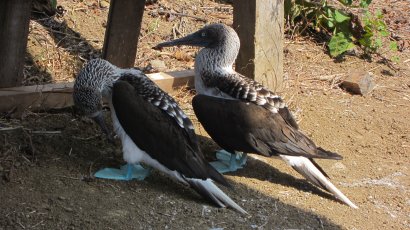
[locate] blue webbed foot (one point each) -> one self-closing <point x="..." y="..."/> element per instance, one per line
<point x="229" y="162"/>
<point x="126" y="172"/>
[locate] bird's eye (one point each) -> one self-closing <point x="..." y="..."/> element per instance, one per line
<point x="203" y="34"/>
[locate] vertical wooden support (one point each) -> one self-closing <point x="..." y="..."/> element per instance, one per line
<point x="14" y="24"/>
<point x="123" y="29"/>
<point x="260" y="26"/>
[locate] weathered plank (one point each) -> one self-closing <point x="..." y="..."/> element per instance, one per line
<point x="56" y="96"/>
<point x="168" y="81"/>
<point x="259" y="24"/>
<point x="14" y="24"/>
<point x="123" y="29"/>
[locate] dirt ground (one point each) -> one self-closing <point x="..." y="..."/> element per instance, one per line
<point x="47" y="159"/>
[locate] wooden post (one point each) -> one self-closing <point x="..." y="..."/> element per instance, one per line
<point x="260" y="26"/>
<point x="123" y="29"/>
<point x="14" y="24"/>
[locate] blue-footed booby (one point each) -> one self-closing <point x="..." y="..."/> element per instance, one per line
<point x="152" y="127"/>
<point x="242" y="115"/>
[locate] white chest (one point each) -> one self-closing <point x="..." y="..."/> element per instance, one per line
<point x="131" y="153"/>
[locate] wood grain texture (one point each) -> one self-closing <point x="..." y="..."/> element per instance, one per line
<point x="123" y="29"/>
<point x="260" y="27"/>
<point x="16" y="100"/>
<point x="14" y="24"/>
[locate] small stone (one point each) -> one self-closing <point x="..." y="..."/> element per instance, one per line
<point x="104" y="4"/>
<point x="158" y="65"/>
<point x="339" y="166"/>
<point x="67" y="209"/>
<point x="359" y="83"/>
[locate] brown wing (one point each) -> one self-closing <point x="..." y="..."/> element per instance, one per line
<point x="241" y="126"/>
<point x="158" y="133"/>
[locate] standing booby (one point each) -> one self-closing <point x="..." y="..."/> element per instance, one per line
<point x="240" y="114"/>
<point x="152" y="127"/>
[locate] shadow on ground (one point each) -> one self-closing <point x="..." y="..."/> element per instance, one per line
<point x="46" y="182"/>
<point x="264" y="172"/>
<point x="67" y="38"/>
<point x="64" y="39"/>
<point x="33" y="73"/>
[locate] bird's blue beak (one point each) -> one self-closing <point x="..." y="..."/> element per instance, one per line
<point x="194" y="39"/>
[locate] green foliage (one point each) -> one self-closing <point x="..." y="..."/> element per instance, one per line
<point x="340" y="17"/>
<point x="375" y="29"/>
<point x="365" y="3"/>
<point x="339" y="44"/>
<point x="53" y="3"/>
<point x="345" y="29"/>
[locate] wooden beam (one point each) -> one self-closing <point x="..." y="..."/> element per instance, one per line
<point x="259" y="24"/>
<point x="123" y="29"/>
<point x="168" y="81"/>
<point x="56" y="96"/>
<point x="14" y="24"/>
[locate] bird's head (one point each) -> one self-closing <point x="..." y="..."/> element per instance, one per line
<point x="87" y="96"/>
<point x="87" y="101"/>
<point x="210" y="36"/>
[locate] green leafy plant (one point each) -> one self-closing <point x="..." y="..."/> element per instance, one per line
<point x="345" y="29"/>
<point x="53" y="3"/>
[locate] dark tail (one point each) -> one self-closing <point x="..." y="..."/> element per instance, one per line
<point x="327" y="154"/>
<point x="218" y="177"/>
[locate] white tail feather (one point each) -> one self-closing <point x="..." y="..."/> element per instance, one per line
<point x="305" y="167"/>
<point x="214" y="193"/>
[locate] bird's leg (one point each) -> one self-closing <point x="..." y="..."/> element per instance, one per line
<point x="126" y="172"/>
<point x="229" y="162"/>
<point x="129" y="171"/>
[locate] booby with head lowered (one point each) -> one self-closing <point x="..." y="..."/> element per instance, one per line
<point x="242" y="115"/>
<point x="152" y="127"/>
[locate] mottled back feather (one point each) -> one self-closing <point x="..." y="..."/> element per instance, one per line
<point x="148" y="90"/>
<point x="246" y="89"/>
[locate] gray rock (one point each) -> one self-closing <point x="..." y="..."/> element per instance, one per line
<point x="359" y="83"/>
<point x="158" y="65"/>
